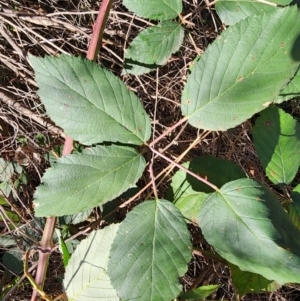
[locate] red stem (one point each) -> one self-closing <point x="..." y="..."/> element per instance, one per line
<point x="46" y="243"/>
<point x="98" y="30"/>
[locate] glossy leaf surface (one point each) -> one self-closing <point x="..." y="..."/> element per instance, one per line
<point x="12" y="260"/>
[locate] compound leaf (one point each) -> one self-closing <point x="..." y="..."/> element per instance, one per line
<point x="247" y="226"/>
<point x="276" y="138"/>
<point x="153" y="47"/>
<point x="155" y="9"/>
<point x="90" y="103"/>
<point x="233" y="11"/>
<point x="243" y="71"/>
<point x="151" y="251"/>
<point x="82" y="181"/>
<point x="86" y="273"/>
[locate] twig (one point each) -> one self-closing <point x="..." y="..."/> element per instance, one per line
<point x="37" y="287"/>
<point x="5" y="34"/>
<point x="178" y="159"/>
<point x="169" y="130"/>
<point x="7" y="218"/>
<point x="24" y="111"/>
<point x="18" y="283"/>
<point x="167" y="169"/>
<point x="151" y="173"/>
<point x="203" y="180"/>
<point x="207" y="254"/>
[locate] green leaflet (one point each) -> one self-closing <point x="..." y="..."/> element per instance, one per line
<point x="233" y="11"/>
<point x="199" y="293"/>
<point x="276" y="137"/>
<point x="79" y="182"/>
<point x="292" y="90"/>
<point x="90" y="103"/>
<point x="155" y="9"/>
<point x="247" y="226"/>
<point x="243" y="71"/>
<point x="86" y="273"/>
<point x="151" y="251"/>
<point x="188" y="193"/>
<point x="294" y="207"/>
<point x="247" y="282"/>
<point x="153" y="47"/>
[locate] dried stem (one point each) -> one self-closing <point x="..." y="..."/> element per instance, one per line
<point x="203" y="180"/>
<point x="25" y="112"/>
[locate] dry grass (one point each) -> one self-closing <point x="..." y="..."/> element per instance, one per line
<point x="53" y="27"/>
